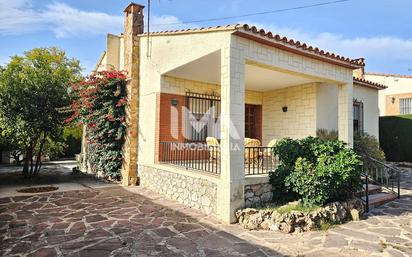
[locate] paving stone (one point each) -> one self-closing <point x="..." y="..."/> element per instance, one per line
<point x="385" y="231"/>
<point x="95" y="218"/>
<point x="44" y="252"/>
<point x="117" y="222"/>
<point x="367" y="246"/>
<point x="356" y="234"/>
<point x="393" y="252"/>
<point x="164" y="232"/>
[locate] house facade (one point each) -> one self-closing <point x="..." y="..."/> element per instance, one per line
<point x="396" y="99"/>
<point x="234" y="84"/>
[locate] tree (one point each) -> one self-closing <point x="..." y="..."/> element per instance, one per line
<point x="10" y="144"/>
<point x="34" y="89"/>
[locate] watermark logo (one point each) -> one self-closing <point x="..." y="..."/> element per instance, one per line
<point x="199" y="125"/>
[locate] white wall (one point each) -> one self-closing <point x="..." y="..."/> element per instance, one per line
<point x="369" y="98"/>
<point x="327" y="106"/>
<point x="300" y="119"/>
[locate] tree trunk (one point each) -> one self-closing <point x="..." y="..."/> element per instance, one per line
<point x="38" y="158"/>
<point x="28" y="160"/>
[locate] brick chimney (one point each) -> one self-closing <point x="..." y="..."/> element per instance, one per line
<point x="133" y="26"/>
<point x="360" y="73"/>
<point x="134" y="19"/>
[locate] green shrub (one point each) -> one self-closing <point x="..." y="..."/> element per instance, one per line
<point x="54" y="149"/>
<point x="281" y="194"/>
<point x="72" y="137"/>
<point x="366" y="146"/>
<point x="315" y="171"/>
<point x="395" y="137"/>
<point x="327" y="135"/>
<point x="288" y="150"/>
<point x="334" y="176"/>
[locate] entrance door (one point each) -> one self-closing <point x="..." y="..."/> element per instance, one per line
<point x="253" y="121"/>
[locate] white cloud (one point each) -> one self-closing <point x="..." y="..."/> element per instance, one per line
<point x="67" y="21"/>
<point x="19" y="17"/>
<point x="384" y="49"/>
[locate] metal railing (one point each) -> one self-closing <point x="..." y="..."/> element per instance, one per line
<point x="381" y="174"/>
<point x="196" y="156"/>
<point x="199" y="156"/>
<point x="260" y="160"/>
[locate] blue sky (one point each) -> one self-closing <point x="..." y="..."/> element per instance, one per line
<point x="379" y="30"/>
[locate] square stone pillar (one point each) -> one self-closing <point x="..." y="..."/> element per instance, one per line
<point x="133" y="25"/>
<point x="345" y="113"/>
<point x="232" y="177"/>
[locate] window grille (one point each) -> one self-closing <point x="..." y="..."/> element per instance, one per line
<point x="202" y="117"/>
<point x="405" y="106"/>
<point x="358" y="117"/>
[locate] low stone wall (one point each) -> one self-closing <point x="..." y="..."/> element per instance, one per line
<point x="195" y="192"/>
<point x="298" y="221"/>
<point x="258" y="194"/>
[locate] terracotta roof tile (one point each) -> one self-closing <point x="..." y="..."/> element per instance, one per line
<point x="389" y="75"/>
<point x="194" y="30"/>
<point x="297" y="46"/>
<point x="368" y="83"/>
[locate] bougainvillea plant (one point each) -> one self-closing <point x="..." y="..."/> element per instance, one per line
<point x="99" y="103"/>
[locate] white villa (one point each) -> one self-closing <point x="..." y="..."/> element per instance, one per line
<point x="257" y="86"/>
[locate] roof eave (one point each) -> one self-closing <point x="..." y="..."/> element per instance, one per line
<point x="261" y="39"/>
<point x="369" y="84"/>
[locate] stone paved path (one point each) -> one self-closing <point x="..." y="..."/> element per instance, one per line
<point x="387" y="231"/>
<point x="112" y="222"/>
<point x="134" y="222"/>
<point x="56" y="173"/>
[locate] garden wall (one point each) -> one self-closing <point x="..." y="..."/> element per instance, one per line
<point x="395" y="136"/>
<point x="258" y="191"/>
<point x="195" y="190"/>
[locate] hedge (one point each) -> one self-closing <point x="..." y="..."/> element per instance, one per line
<point x="395" y="136"/>
<point x="72" y="137"/>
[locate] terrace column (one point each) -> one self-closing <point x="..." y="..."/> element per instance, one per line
<point x="345" y="113"/>
<point x="231" y="189"/>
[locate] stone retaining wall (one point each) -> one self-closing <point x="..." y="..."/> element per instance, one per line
<point x="257" y="194"/>
<point x="195" y="192"/>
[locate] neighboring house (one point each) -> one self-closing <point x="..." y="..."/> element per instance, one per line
<point x="396" y="99"/>
<point x="260" y="84"/>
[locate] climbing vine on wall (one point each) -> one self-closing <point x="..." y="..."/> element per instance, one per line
<point x="99" y="103"/>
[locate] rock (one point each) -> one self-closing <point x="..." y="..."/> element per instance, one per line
<point x="274" y="227"/>
<point x="253" y="222"/>
<point x="276" y="217"/>
<point x="287" y="228"/>
<point x="298" y="230"/>
<point x="266" y="224"/>
<point x="342" y="213"/>
<point x="354" y="215"/>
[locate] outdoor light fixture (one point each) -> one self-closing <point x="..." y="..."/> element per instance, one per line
<point x="392" y="99"/>
<point x="284" y="108"/>
<point x="173" y="102"/>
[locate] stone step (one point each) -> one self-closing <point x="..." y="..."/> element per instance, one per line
<point x="372" y="189"/>
<point x="378" y="199"/>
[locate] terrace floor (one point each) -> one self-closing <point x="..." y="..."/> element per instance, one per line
<point x="117" y="221"/>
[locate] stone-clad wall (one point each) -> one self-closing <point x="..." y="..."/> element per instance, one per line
<point x="257" y="194"/>
<point x="195" y="192"/>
